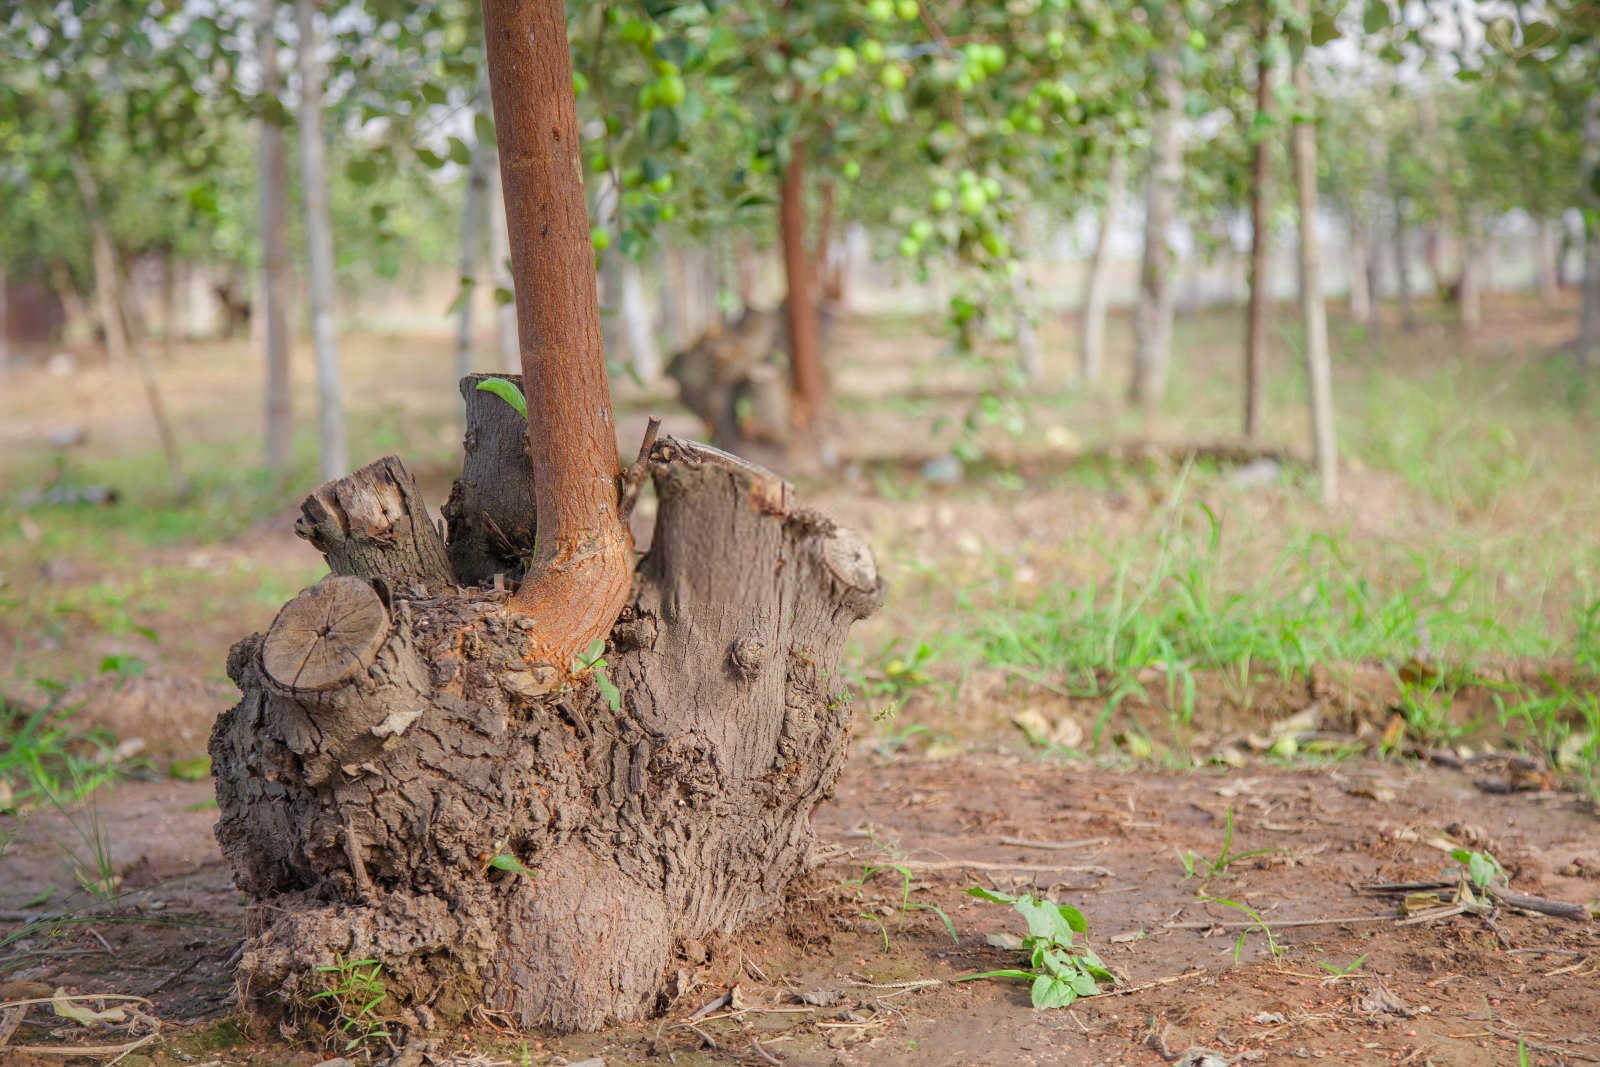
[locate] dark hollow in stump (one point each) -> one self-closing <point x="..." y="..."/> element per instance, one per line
<point x="394" y="750"/>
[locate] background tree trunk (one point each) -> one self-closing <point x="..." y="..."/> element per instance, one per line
<point x="505" y="314"/>
<point x="1474" y="270"/>
<point x="1313" y="313"/>
<point x="107" y="283"/>
<point x="5" y="330"/>
<point x="1097" y="295"/>
<point x="1360" y="257"/>
<point x="319" y="248"/>
<point x="1589" y="313"/>
<point x="1546" y="249"/>
<point x="634" y="313"/>
<point x="271" y="187"/>
<point x="805" y="359"/>
<point x="1402" y="270"/>
<point x="169" y="305"/>
<point x="1255" y="346"/>
<point x="473" y="211"/>
<point x="1152" y="352"/>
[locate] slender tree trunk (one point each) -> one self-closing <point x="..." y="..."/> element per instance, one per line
<point x="5" y="324"/>
<point x="1589" y="313"/>
<point x="1097" y="296"/>
<point x="805" y="359"/>
<point x="1360" y="256"/>
<point x="473" y="211"/>
<point x="1313" y="313"/>
<point x="505" y="313"/>
<point x="1152" y="353"/>
<point x="634" y="313"/>
<point x="319" y="248"/>
<point x="745" y="271"/>
<point x="272" y="186"/>
<point x="78" y="328"/>
<point x="669" y="274"/>
<point x="1374" y="283"/>
<point x="1546" y="247"/>
<point x="107" y="284"/>
<point x="1402" y="270"/>
<point x="1255" y="346"/>
<point x="1474" y="265"/>
<point x="169" y="306"/>
<point x="581" y="572"/>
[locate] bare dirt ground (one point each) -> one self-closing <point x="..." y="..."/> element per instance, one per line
<point x="859" y="968"/>
<point x="1349" y="984"/>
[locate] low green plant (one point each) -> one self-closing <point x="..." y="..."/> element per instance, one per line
<point x="1059" y="970"/>
<point x="593" y="661"/>
<point x="905" y="906"/>
<point x="1348" y="969"/>
<point x="353" y="991"/>
<point x="1255" y="917"/>
<point x="1481" y="869"/>
<point x="1196" y="864"/>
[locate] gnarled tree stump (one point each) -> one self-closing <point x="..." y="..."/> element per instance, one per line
<point x="394" y="739"/>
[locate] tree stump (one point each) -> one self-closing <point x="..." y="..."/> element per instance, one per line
<point x="395" y="749"/>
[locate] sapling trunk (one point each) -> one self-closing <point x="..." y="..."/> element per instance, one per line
<point x="271" y="187"/>
<point x="1313" y="311"/>
<point x="1152" y="352"/>
<point x="1097" y="296"/>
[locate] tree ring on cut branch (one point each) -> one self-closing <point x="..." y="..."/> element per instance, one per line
<point x="326" y="635"/>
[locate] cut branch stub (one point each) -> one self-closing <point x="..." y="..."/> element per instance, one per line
<point x="373" y="524"/>
<point x="325" y="636"/>
<point x="491" y="510"/>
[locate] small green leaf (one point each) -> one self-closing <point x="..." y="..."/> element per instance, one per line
<point x="506" y="391"/>
<point x="460" y="152"/>
<point x="507" y="862"/>
<point x="503" y="296"/>
<point x="991" y="896"/>
<point x="608" y="689"/>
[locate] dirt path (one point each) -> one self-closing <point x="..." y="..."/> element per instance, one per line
<point x="1460" y="990"/>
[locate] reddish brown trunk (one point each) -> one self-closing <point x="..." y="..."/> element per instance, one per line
<point x="805" y="361"/>
<point x="1255" y="351"/>
<point x="827" y="279"/>
<point x="582" y="566"/>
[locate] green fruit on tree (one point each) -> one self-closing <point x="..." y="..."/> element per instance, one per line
<point x="994" y="244"/>
<point x="580" y="83"/>
<point x="872" y="51"/>
<point x="892" y="77"/>
<point x="907" y="9"/>
<point x="844" y="61"/>
<point x="910" y="246"/>
<point x="601" y="238"/>
<point x="941" y="200"/>
<point x="671" y="90"/>
<point x="973" y="200"/>
<point x="632" y="177"/>
<point x="991" y="188"/>
<point x="668" y="212"/>
<point x="599" y="161"/>
<point x="881" y="10"/>
<point x="922" y="229"/>
<point x="662" y="184"/>
<point x="851" y="170"/>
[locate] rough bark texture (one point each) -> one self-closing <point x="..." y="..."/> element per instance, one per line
<point x="1255" y="345"/>
<point x="490" y="517"/>
<point x="271" y="189"/>
<point x="1152" y="350"/>
<point x="373" y="523"/>
<point x="1097" y="297"/>
<point x="362" y="801"/>
<point x="730" y="380"/>
<point x="1313" y="311"/>
<point x="319" y="248"/>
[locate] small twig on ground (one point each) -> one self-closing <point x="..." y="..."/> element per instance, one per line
<point x="1559" y="909"/>
<point x="1142" y="986"/>
<point x="633" y="481"/>
<point x="1340" y="920"/>
<point x="1536" y="1046"/>
<point x="103" y="942"/>
<point x="983" y="865"/>
<point x="721" y="1002"/>
<point x="707" y="1038"/>
<point x="1022" y="842"/>
<point x="1547" y="951"/>
<point x="763" y="1053"/>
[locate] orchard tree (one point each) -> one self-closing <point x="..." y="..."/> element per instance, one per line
<point x="512" y="765"/>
